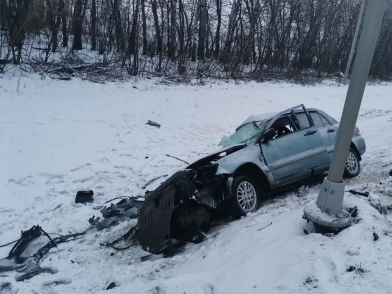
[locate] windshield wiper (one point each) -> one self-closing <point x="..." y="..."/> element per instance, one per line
<point x="255" y="125"/>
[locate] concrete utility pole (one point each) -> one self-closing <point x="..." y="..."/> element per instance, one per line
<point x="328" y="210"/>
<point x="355" y="39"/>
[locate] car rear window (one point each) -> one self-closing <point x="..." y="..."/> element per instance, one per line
<point x="324" y="120"/>
<point x="316" y="119"/>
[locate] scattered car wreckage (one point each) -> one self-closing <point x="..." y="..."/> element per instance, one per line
<point x="267" y="154"/>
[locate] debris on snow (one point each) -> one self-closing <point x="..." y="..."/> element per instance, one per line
<point x="268" y="226"/>
<point x="168" y="155"/>
<point x="153" y="123"/>
<point x="84" y="196"/>
<point x="111" y="286"/>
<point x="365" y="194"/>
<point x="126" y="209"/>
<point x="353" y="211"/>
<point x="375" y="237"/>
<point x="357" y="269"/>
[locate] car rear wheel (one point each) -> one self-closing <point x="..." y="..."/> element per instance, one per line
<point x="244" y="196"/>
<point x="353" y="167"/>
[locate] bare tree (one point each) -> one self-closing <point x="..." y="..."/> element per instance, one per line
<point x="77" y="25"/>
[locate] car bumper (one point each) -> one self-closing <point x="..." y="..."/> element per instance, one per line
<point x="360" y="144"/>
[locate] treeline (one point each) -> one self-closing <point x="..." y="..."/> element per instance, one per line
<point x="215" y="36"/>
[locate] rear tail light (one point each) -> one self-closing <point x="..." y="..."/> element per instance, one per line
<point x="358" y="131"/>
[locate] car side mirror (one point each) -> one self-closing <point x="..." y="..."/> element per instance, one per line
<point x="269" y="135"/>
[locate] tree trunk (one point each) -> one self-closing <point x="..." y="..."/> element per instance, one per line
<point x="157" y="27"/>
<point x="144" y="21"/>
<point x="117" y="22"/>
<point x="18" y="19"/>
<point x="173" y="20"/>
<point x="132" y="37"/>
<point x="202" y="29"/>
<point x="218" y="27"/>
<point x="93" y="25"/>
<point x="181" y="33"/>
<point x="54" y="23"/>
<point x="64" y="23"/>
<point x="77" y="25"/>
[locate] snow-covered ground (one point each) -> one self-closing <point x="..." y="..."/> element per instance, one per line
<point x="58" y="137"/>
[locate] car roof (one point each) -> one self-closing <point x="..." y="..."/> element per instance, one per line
<point x="259" y="117"/>
<point x="264" y="116"/>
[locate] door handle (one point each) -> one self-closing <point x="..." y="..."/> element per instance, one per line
<point x="308" y="133"/>
<point x="331" y="130"/>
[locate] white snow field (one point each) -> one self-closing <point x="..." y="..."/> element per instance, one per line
<point x="58" y="137"/>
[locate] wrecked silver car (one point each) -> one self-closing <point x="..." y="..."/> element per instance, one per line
<point x="268" y="153"/>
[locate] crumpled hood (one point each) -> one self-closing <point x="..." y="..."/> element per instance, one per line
<point x="215" y="155"/>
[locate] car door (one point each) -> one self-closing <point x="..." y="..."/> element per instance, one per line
<point x="298" y="154"/>
<point x="327" y="131"/>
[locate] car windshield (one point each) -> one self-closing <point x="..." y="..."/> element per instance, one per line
<point x="244" y="134"/>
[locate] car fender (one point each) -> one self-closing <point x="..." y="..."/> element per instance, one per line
<point x="250" y="155"/>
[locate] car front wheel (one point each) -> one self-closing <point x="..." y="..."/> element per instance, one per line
<point x="353" y="167"/>
<point x="244" y="196"/>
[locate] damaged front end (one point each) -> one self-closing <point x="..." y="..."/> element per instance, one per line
<point x="184" y="206"/>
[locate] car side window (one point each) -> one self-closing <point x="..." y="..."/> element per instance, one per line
<point x="303" y="121"/>
<point x="324" y="120"/>
<point x="316" y="119"/>
<point x="283" y="126"/>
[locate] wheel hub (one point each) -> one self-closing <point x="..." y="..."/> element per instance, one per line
<point x="351" y="163"/>
<point x="246" y="196"/>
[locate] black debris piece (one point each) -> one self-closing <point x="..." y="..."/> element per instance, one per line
<point x="375" y="237"/>
<point x="84" y="196"/>
<point x="357" y="269"/>
<point x="353" y="211"/>
<point x="57" y="207"/>
<point x="131" y="234"/>
<point x="126" y="209"/>
<point x="390" y="172"/>
<point x="168" y="155"/>
<point x="111" y="286"/>
<point x="265" y="226"/>
<point x="365" y="194"/>
<point x="310" y="280"/>
<point x="153" y="123"/>
<point x="25" y="240"/>
<point x="15" y="261"/>
<point x="351" y="268"/>
<point x="56" y="283"/>
<point x="306" y="232"/>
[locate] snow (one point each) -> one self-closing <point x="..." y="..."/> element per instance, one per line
<point x="58" y="137"/>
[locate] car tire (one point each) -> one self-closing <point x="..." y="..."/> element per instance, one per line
<point x="353" y="166"/>
<point x="244" y="196"/>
